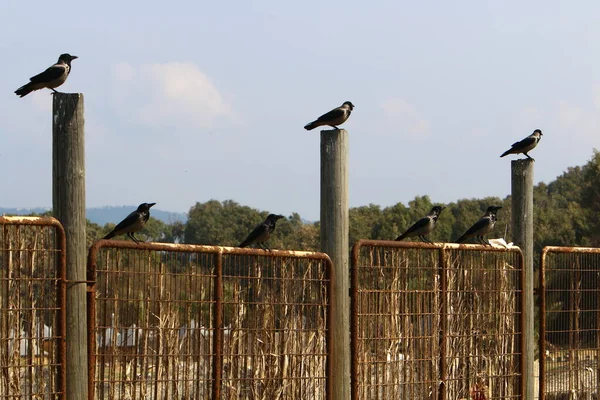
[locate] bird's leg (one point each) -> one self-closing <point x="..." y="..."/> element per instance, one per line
<point x="423" y="238"/>
<point x="260" y="245"/>
<point x="334" y="127"/>
<point x="527" y="155"/>
<point x="130" y="234"/>
<point x="54" y="91"/>
<point x="486" y="242"/>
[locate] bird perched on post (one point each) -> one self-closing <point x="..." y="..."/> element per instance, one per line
<point x="51" y="78"/>
<point x="424" y="226"/>
<point x="525" y="145"/>
<point x="262" y="232"/>
<point x="335" y="117"/>
<point x="482" y="227"/>
<point x="134" y="222"/>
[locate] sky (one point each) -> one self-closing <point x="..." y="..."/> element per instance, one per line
<point x="187" y="101"/>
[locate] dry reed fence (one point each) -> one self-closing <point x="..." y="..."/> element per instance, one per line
<point x="432" y="321"/>
<point x="31" y="319"/>
<point x="159" y="308"/>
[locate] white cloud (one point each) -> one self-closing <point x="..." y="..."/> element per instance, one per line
<point x="168" y="94"/>
<point x="404" y="118"/>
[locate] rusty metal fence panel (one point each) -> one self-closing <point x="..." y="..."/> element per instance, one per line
<point x="436" y="321"/>
<point x="569" y="323"/>
<point x="32" y="304"/>
<point x="207" y="322"/>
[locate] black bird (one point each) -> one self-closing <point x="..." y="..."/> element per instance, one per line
<point x="525" y="145"/>
<point x="262" y="232"/>
<point x="424" y="226"/>
<point x="134" y="222"/>
<point x="482" y="227"/>
<point x="51" y="78"/>
<point x="335" y="117"/>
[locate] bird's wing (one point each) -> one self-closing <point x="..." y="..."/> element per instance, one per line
<point x="331" y="115"/>
<point x="479" y="225"/>
<point x="128" y="221"/>
<point x="52" y="73"/>
<point x="528" y="141"/>
<point x="257" y="233"/>
<point x="417" y="226"/>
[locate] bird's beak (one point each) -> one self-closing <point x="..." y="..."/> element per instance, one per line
<point x="151" y="204"/>
<point x="280" y="216"/>
<point x="74" y="57"/>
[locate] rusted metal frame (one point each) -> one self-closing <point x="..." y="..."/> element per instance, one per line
<point x="218" y="337"/>
<point x="61" y="293"/>
<point x="329" y="275"/>
<point x="542" y="318"/>
<point x="443" y="272"/>
<point x="522" y="321"/>
<point x="354" y="319"/>
<point x="542" y="322"/>
<point x="218" y="326"/>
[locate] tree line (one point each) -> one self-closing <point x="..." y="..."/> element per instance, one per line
<point x="566" y="213"/>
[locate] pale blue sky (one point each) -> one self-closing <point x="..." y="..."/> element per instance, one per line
<point x="189" y="100"/>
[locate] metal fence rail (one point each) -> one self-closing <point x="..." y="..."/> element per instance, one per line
<point x="207" y="322"/>
<point x="32" y="303"/>
<point x="569" y="323"/>
<point x="436" y="321"/>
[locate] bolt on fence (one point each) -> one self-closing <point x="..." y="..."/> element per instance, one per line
<point x="32" y="303"/>
<point x="190" y="321"/>
<point x="569" y="323"/>
<point x="436" y="321"/>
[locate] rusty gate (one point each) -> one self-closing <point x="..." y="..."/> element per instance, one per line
<point x="436" y="321"/>
<point x="569" y="323"/>
<point x="32" y="304"/>
<point x="190" y="321"/>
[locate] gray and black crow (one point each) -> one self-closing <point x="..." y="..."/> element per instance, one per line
<point x="51" y="78"/>
<point x="482" y="227"/>
<point x="335" y="117"/>
<point x="525" y="145"/>
<point x="262" y="232"/>
<point x="424" y="226"/>
<point x="134" y="222"/>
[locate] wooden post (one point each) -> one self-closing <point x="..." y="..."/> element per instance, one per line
<point x="334" y="242"/>
<point x="522" y="225"/>
<point x="68" y="204"/>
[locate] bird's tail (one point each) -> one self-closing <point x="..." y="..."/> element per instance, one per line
<point x="244" y="243"/>
<point x="507" y="152"/>
<point x="311" y="126"/>
<point x="110" y="235"/>
<point x="24" y="90"/>
<point x="400" y="237"/>
<point x="461" y="239"/>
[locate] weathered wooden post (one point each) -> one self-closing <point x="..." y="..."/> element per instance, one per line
<point x="334" y="242"/>
<point x="68" y="204"/>
<point x="522" y="225"/>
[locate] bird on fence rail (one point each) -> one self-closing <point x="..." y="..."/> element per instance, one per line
<point x="335" y="117"/>
<point x="262" y="232"/>
<point x="424" y="226"/>
<point x="526" y="145"/>
<point x="134" y="222"/>
<point x="482" y="227"/>
<point x="51" y="78"/>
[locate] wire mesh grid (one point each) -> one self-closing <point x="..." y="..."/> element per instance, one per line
<point x="31" y="308"/>
<point x="435" y="322"/>
<point x="570" y="343"/>
<point x="203" y="322"/>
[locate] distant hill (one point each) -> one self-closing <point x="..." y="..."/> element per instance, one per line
<point x="103" y="215"/>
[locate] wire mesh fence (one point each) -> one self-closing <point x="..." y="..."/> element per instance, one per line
<point x="32" y="319"/>
<point x="204" y="322"/>
<point x="436" y="321"/>
<point x="569" y="323"/>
